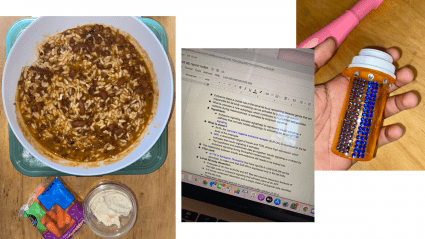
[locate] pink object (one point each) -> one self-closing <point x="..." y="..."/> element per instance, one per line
<point x="296" y="56"/>
<point x="343" y="25"/>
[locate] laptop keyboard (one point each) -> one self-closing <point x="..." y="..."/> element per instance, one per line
<point x="189" y="216"/>
<point x="205" y="218"/>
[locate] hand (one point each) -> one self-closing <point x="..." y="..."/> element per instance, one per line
<point x="329" y="98"/>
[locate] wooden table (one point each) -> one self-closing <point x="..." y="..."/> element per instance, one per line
<point x="396" y="23"/>
<point x="155" y="192"/>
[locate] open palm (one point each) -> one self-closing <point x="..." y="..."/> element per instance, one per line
<point x="329" y="98"/>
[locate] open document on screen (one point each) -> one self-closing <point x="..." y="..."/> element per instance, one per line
<point x="248" y="123"/>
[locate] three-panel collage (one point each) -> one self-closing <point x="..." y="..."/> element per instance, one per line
<point x="110" y="130"/>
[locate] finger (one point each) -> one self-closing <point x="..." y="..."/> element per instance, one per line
<point x="389" y="133"/>
<point x="403" y="77"/>
<point x="324" y="52"/>
<point x="401" y="102"/>
<point x="394" y="53"/>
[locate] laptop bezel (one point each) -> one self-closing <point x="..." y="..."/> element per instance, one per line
<point x="242" y="205"/>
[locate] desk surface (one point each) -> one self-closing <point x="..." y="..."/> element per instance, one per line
<point x="155" y="192"/>
<point x="396" y="23"/>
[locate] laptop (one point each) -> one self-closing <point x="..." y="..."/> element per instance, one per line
<point x="247" y="135"/>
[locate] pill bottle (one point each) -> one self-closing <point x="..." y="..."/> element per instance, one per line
<point x="371" y="75"/>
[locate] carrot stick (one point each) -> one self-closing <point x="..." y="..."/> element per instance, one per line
<point x="52" y="214"/>
<point x="45" y="219"/>
<point x="72" y="222"/>
<point x="67" y="218"/>
<point x="53" y="229"/>
<point x="60" y="214"/>
<point x="40" y="191"/>
<point x="67" y="226"/>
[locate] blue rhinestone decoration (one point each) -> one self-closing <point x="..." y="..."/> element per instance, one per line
<point x="361" y="106"/>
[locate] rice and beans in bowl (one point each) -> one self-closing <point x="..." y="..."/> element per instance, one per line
<point x="89" y="96"/>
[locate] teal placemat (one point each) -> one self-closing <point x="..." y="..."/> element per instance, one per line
<point x="28" y="165"/>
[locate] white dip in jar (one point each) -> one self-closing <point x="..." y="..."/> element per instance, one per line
<point x="108" y="206"/>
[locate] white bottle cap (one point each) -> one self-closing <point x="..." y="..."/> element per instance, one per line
<point x="376" y="60"/>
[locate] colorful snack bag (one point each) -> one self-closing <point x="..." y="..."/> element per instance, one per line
<point x="54" y="210"/>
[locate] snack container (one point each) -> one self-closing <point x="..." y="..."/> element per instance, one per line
<point x="54" y="210"/>
<point x="96" y="225"/>
<point x="371" y="74"/>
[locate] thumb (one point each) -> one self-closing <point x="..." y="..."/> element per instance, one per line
<point x="324" y="52"/>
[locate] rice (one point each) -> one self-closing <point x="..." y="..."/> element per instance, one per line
<point x="56" y="91"/>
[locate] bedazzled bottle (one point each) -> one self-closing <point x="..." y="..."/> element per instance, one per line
<point x="371" y="74"/>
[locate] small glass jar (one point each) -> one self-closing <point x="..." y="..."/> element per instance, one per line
<point x="126" y="222"/>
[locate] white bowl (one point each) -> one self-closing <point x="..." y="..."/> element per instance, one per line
<point x="23" y="53"/>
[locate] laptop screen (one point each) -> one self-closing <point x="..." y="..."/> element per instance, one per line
<point x="248" y="126"/>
